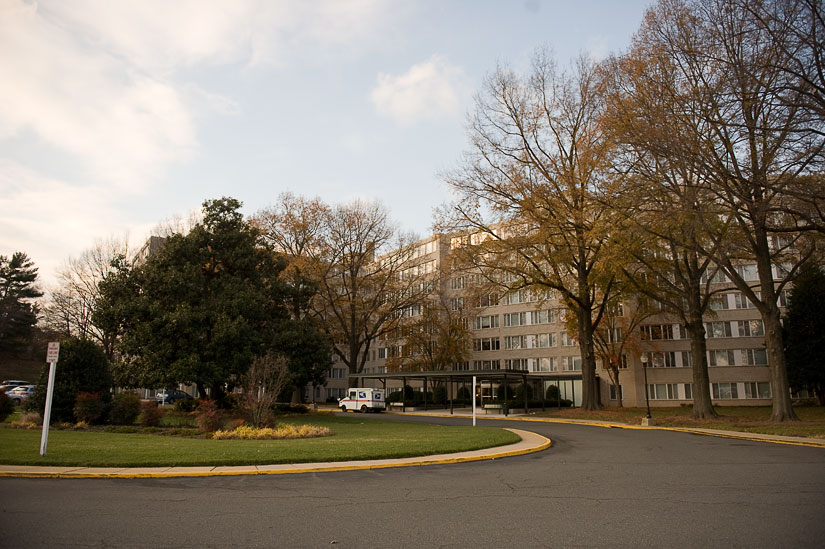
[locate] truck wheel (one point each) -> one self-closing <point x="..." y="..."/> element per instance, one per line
<point x="364" y="409"/>
<point x="344" y="409"/>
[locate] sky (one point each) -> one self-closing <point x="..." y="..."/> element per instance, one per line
<point x="117" y="115"/>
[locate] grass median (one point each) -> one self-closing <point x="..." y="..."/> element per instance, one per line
<point x="354" y="438"/>
<point x="746" y="419"/>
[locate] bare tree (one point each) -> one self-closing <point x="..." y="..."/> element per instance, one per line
<point x="262" y="383"/>
<point x="529" y="192"/>
<point x="755" y="146"/>
<point x="71" y="303"/>
<point x="365" y="270"/>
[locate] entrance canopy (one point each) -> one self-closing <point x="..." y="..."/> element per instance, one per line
<point x="482" y="376"/>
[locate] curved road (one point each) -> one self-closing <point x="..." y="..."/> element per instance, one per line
<point x="595" y="487"/>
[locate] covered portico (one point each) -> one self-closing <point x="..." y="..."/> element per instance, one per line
<point x="464" y="378"/>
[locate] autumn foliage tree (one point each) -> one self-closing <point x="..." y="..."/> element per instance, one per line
<point x="529" y="193"/>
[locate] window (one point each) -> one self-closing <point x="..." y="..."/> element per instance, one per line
<point x="486" y="365"/>
<point x="718" y="329"/>
<point x="515" y="319"/>
<point x="567" y="341"/>
<point x="337" y="373"/>
<point x="724" y="390"/>
<point x="720" y="302"/>
<point x="757" y="389"/>
<point x="542" y="317"/>
<point x="489" y="321"/>
<point x="488" y="300"/>
<point x="688" y="391"/>
<point x="571" y="363"/>
<point x="613" y="392"/>
<point x="721" y="358"/>
<point x="659" y="359"/>
<point x="623" y="362"/>
<point x="687" y="359"/>
<point x="458" y="283"/>
<point x="657" y="331"/>
<point x="382" y="352"/>
<point x="755" y="357"/>
<point x="457" y="303"/>
<point x="663" y="391"/>
<point x="750" y="328"/>
<point x="487" y="344"/>
<point x="614" y="335"/>
<point x="742" y="302"/>
<point x="515" y="342"/>
<point x="747" y="272"/>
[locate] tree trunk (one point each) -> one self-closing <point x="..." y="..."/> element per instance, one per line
<point x="590" y="385"/>
<point x="702" y="403"/>
<point x="201" y="389"/>
<point x="782" y="406"/>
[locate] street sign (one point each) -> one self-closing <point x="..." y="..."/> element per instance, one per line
<point x="52" y="352"/>
<point x="51" y="357"/>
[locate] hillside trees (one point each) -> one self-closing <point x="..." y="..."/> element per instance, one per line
<point x="755" y="147"/>
<point x="18" y="314"/>
<point x="529" y="193"/>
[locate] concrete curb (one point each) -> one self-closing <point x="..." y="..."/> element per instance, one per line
<point x="530" y="442"/>
<point x="755" y="437"/>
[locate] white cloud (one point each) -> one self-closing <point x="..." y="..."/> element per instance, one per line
<point x="124" y="126"/>
<point x="50" y="219"/>
<point x="430" y="90"/>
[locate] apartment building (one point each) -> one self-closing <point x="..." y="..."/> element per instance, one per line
<point x="521" y="331"/>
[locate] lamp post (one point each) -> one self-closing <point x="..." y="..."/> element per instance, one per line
<point x="647" y="389"/>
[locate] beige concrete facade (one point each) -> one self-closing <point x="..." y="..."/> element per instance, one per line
<point x="520" y="331"/>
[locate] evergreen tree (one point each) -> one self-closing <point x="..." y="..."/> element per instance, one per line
<point x="805" y="332"/>
<point x="17" y="313"/>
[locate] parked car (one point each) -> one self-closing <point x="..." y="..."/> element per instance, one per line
<point x="9" y="384"/>
<point x="171" y="396"/>
<point x="21" y="393"/>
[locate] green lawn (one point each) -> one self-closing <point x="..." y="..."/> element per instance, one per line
<point x="354" y="439"/>
<point x="749" y="419"/>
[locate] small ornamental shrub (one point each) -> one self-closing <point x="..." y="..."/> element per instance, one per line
<point x="292" y="408"/>
<point x="125" y="409"/>
<point x="282" y="431"/>
<point x="150" y="414"/>
<point x="552" y="393"/>
<point x="208" y="419"/>
<point x="29" y="420"/>
<point x="440" y="394"/>
<point x="89" y="407"/>
<point x="81" y="426"/>
<point x="6" y="407"/>
<point x="186" y="405"/>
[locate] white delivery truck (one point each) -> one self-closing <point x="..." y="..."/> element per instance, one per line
<point x="363" y="399"/>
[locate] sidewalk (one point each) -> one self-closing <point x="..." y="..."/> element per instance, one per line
<point x="530" y="442"/>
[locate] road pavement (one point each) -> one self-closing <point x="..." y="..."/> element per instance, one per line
<point x="594" y="487"/>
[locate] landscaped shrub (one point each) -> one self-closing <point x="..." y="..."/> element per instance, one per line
<point x="186" y="405"/>
<point x="89" y="407"/>
<point x="291" y="408"/>
<point x="83" y="368"/>
<point x="520" y="392"/>
<point x="208" y="418"/>
<point x="440" y="394"/>
<point x="150" y="414"/>
<point x="6" y="407"/>
<point x="500" y="393"/>
<point x="552" y="393"/>
<point x="282" y="431"/>
<point x="125" y="409"/>
<point x="29" y="420"/>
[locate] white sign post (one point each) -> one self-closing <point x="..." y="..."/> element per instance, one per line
<point x="51" y="358"/>
<point x="474" y="401"/>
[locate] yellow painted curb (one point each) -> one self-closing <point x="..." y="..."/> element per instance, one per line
<point x="377" y="464"/>
<point x="728" y="434"/>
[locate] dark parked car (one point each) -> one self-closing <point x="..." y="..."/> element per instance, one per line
<point x="171" y="396"/>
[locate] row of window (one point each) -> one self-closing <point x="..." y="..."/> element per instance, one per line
<point x="720" y="391"/>
<point x="726" y="357"/>
<point x="734" y="328"/>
